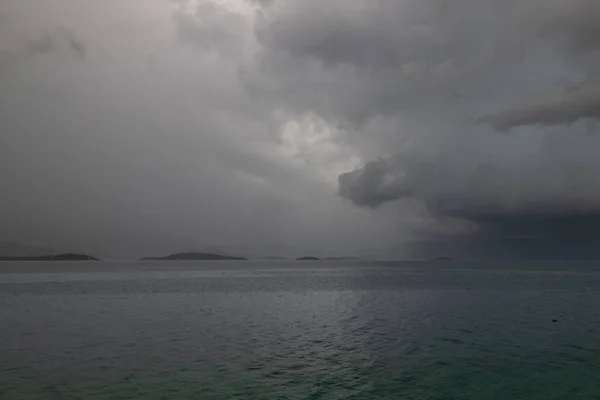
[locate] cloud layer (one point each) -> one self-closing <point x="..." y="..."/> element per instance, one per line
<point x="156" y="125"/>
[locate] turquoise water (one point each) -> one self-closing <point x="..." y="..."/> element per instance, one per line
<point x="300" y="330"/>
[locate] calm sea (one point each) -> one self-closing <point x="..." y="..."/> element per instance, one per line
<point x="314" y="330"/>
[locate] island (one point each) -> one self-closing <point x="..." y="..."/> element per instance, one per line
<point x="308" y="258"/>
<point x="53" y="257"/>
<point x="443" y="259"/>
<point x="194" y="256"/>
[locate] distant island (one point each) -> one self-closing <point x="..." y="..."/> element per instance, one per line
<point x="194" y="256"/>
<point x="54" y="257"/>
<point x="312" y="258"/>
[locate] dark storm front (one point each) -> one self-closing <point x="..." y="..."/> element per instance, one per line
<point x="294" y="331"/>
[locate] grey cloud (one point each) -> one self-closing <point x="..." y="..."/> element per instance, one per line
<point x="573" y="30"/>
<point x="212" y="28"/>
<point x="264" y="2"/>
<point x="176" y="133"/>
<point x="565" y="108"/>
<point x="383" y="181"/>
<point x="575" y="25"/>
<point x="391" y="54"/>
<point x="438" y="64"/>
<point x="20" y="46"/>
<point x="406" y="78"/>
<point x="76" y="45"/>
<point x="354" y="61"/>
<point x="55" y="41"/>
<point x="548" y="197"/>
<point x="383" y="34"/>
<point x="127" y="161"/>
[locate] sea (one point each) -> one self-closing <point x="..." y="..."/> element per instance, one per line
<point x="300" y="330"/>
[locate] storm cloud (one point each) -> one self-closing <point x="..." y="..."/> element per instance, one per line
<point x="511" y="190"/>
<point x="564" y="108"/>
<point x="300" y="125"/>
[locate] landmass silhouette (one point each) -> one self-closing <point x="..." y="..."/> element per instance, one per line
<point x="53" y="257"/>
<point x="194" y="256"/>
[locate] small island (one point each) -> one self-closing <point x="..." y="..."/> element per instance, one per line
<point x="443" y="259"/>
<point x="308" y="258"/>
<point x="194" y="256"/>
<point x="53" y="257"/>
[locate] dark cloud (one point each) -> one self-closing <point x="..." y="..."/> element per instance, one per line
<point x="228" y="122"/>
<point x="567" y="107"/>
<point x="354" y="60"/>
<point x="374" y="58"/>
<point x="383" y="180"/>
<point x="511" y="190"/>
<point x="572" y="29"/>
<point x="573" y="25"/>
<point x="549" y="199"/>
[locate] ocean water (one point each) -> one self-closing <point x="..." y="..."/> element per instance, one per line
<point x="293" y="330"/>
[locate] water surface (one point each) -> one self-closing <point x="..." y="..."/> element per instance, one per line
<point x="291" y="330"/>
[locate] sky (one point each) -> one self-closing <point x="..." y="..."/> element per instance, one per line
<point x="389" y="128"/>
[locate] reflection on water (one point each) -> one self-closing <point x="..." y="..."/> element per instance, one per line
<point x="289" y="331"/>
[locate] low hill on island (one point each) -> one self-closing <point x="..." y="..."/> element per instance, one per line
<point x="54" y="257"/>
<point x="194" y="256"/>
<point x="308" y="258"/>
